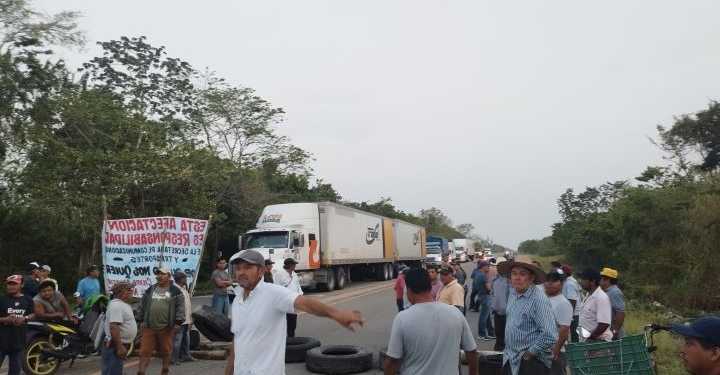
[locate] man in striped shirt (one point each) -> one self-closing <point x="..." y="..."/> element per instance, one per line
<point x="531" y="331"/>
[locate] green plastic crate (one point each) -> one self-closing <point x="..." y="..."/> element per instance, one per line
<point x="628" y="356"/>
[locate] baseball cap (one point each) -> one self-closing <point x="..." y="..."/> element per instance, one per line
<point x="446" y="270"/>
<point x="483" y="263"/>
<point x="248" y="256"/>
<point x="290" y="261"/>
<point x="46" y="268"/>
<point x="13" y="279"/>
<point x="706" y="328"/>
<point x="162" y="269"/>
<point x="556" y="275"/>
<point x="269" y="262"/>
<point x="179" y="274"/>
<point x="609" y="272"/>
<point x="33" y="266"/>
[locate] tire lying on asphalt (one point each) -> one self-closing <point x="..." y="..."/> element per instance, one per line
<point x="214" y="326"/>
<point x="338" y="359"/>
<point x="296" y="348"/>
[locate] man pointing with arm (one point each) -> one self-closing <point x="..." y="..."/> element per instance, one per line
<point x="259" y="318"/>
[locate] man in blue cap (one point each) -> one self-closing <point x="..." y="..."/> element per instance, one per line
<point x="701" y="350"/>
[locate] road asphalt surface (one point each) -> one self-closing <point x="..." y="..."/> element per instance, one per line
<point x="376" y="301"/>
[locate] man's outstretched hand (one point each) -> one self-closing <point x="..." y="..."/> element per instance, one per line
<point x="349" y="318"/>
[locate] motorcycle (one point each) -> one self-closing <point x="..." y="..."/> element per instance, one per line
<point x="51" y="343"/>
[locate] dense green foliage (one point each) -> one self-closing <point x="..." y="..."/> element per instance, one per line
<point x="542" y="247"/>
<point x="663" y="232"/>
<point x="133" y="133"/>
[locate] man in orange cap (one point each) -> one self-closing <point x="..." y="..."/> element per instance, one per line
<point x="608" y="282"/>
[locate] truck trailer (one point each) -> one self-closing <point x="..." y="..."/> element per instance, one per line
<point x="466" y="245"/>
<point x="334" y="244"/>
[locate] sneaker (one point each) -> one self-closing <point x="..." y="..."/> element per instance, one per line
<point x="491" y="337"/>
<point x="188" y="359"/>
<point x="487" y="338"/>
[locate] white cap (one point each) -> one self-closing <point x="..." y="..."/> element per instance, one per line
<point x="46" y="268"/>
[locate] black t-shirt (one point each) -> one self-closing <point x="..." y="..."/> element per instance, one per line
<point x="12" y="338"/>
<point x="30" y="286"/>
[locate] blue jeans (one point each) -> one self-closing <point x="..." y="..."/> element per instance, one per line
<point x="181" y="344"/>
<point x="484" y="305"/>
<point x="111" y="363"/>
<point x="15" y="361"/>
<point x="221" y="304"/>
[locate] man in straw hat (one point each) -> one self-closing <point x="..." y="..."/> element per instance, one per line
<point x="531" y="331"/>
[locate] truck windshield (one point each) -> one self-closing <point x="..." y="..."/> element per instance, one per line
<point x="267" y="240"/>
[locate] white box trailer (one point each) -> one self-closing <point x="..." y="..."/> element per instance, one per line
<point x="464" y="244"/>
<point x="334" y="244"/>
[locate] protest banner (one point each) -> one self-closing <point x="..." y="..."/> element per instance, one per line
<point x="132" y="249"/>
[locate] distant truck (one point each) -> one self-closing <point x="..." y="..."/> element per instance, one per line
<point x="334" y="244"/>
<point x="463" y="244"/>
<point x="436" y="247"/>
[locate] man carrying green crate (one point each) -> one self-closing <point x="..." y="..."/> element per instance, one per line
<point x="701" y="350"/>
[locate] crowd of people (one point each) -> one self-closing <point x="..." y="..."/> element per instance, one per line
<point x="530" y="313"/>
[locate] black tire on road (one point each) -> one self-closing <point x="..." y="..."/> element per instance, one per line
<point x="214" y="326"/>
<point x="338" y="359"/>
<point x="296" y="348"/>
<point x="380" y="271"/>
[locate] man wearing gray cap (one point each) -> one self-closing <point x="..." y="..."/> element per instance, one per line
<point x="258" y="316"/>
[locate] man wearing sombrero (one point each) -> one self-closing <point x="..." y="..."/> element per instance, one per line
<point x="530" y="331"/>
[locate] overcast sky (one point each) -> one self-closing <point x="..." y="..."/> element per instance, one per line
<point x="487" y="110"/>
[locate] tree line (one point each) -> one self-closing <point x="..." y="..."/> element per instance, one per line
<point x="662" y="230"/>
<point x="135" y="132"/>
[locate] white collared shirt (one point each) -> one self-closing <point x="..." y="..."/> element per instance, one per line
<point x="596" y="309"/>
<point x="286" y="280"/>
<point x="260" y="329"/>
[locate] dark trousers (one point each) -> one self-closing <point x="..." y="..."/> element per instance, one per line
<point x="400" y="304"/>
<point x="499" y="331"/>
<point x="473" y="301"/>
<point x="465" y="288"/>
<point x="181" y="344"/>
<point x="291" y="324"/>
<point x="559" y="365"/>
<point x="14" y="361"/>
<point x="573" y="329"/>
<point x="531" y="367"/>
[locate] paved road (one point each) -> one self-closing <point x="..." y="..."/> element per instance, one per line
<point x="374" y="299"/>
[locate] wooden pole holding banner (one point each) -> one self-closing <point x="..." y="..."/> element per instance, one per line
<point x="202" y="252"/>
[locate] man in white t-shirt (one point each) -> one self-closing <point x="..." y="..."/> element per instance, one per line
<point x="596" y="313"/>
<point x="426" y="338"/>
<point x="287" y="278"/>
<point x="120" y="330"/>
<point x="563" y="312"/>
<point x="258" y="316"/>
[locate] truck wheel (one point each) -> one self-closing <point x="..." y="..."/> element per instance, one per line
<point x="329" y="286"/>
<point x="338" y="359"/>
<point x="341" y="278"/>
<point x="388" y="271"/>
<point x="380" y="271"/>
<point x="296" y="348"/>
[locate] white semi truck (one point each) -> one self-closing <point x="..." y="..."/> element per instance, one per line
<point x="334" y="244"/>
<point x="466" y="245"/>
